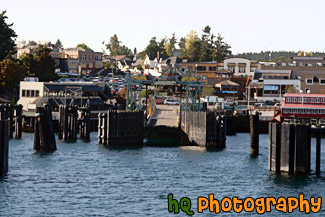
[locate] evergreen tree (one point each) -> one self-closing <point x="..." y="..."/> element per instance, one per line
<point x="58" y="44"/>
<point x="115" y="48"/>
<point x="7" y="37"/>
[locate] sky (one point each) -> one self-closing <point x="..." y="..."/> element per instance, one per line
<point x="247" y="25"/>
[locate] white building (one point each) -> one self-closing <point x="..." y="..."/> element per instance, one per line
<point x="240" y="66"/>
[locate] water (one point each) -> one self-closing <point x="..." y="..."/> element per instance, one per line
<point x="86" y="179"/>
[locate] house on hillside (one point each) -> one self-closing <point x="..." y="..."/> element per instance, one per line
<point x="123" y="62"/>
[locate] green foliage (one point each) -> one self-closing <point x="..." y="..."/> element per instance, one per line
<point x="154" y="47"/>
<point x="39" y="64"/>
<point x="204" y="49"/>
<point x="291" y="89"/>
<point x="10" y="75"/>
<point x="221" y="50"/>
<point x="139" y="68"/>
<point x="208" y="91"/>
<point x="7" y="37"/>
<point x="58" y="44"/>
<point x="275" y="56"/>
<point x="115" y="48"/>
<point x="84" y="46"/>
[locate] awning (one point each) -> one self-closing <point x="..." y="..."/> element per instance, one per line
<point x="271" y="87"/>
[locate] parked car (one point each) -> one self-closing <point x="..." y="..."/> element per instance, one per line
<point x="260" y="104"/>
<point x="230" y="102"/>
<point x="277" y="104"/>
<point x="160" y="100"/>
<point x="171" y="102"/>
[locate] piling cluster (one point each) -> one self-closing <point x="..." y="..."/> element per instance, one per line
<point x="117" y="128"/>
<point x="44" y="138"/>
<point x="289" y="148"/>
<point x="204" y="128"/>
<point x="74" y="119"/>
<point x="9" y="122"/>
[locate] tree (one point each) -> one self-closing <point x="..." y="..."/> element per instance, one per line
<point x="7" y="37"/>
<point x="10" y="75"/>
<point x="84" y="46"/>
<point x="192" y="46"/>
<point x="208" y="91"/>
<point x="115" y="48"/>
<point x="39" y="64"/>
<point x="207" y="46"/>
<point x="222" y="50"/>
<point x="58" y="44"/>
<point x="169" y="45"/>
<point x="32" y="43"/>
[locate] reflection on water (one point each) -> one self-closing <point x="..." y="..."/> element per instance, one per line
<point x="86" y="179"/>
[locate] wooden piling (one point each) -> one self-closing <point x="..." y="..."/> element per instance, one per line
<point x="302" y="149"/>
<point x="4" y="146"/>
<point x="44" y="139"/>
<point x="11" y="120"/>
<point x="318" y="152"/>
<point x="254" y="133"/>
<point x="274" y="146"/>
<point x="18" y="121"/>
<point x="287" y="156"/>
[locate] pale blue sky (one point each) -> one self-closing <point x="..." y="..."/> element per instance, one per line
<point x="247" y="25"/>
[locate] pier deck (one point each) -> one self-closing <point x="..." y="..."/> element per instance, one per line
<point x="166" y="115"/>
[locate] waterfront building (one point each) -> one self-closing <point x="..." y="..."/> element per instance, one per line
<point x="272" y="84"/>
<point x="298" y="105"/>
<point x="35" y="94"/>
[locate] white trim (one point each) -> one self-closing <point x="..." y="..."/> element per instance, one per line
<point x="312" y="81"/>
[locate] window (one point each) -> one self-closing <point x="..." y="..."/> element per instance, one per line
<point x="317" y="100"/>
<point x="308" y="111"/>
<point x="90" y="57"/>
<point x="314" y="111"/>
<point x="32" y="93"/>
<point x="307" y="89"/>
<point x="294" y="99"/>
<point x="320" y="111"/>
<point x="28" y="93"/>
<point x="285" y="111"/>
<point x="311" y="100"/>
<point x="300" y="100"/>
<point x="322" y="81"/>
<point x="201" y="68"/>
<point x="289" y="99"/>
<point x="212" y="68"/>
<point x="231" y="69"/>
<point x="298" y="111"/>
<point x="305" y="100"/>
<point x="23" y="93"/>
<point x="242" y="69"/>
<point x="309" y="81"/>
<point x="37" y="93"/>
<point x="302" y="111"/>
<point x="323" y="100"/>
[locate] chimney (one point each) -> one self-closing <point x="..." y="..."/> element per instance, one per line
<point x="158" y="57"/>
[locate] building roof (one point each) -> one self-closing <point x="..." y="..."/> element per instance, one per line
<point x="227" y="82"/>
<point x="119" y="57"/>
<point x="303" y="95"/>
<point x="139" y="62"/>
<point x="57" y="87"/>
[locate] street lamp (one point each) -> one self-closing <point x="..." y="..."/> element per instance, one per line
<point x="196" y="70"/>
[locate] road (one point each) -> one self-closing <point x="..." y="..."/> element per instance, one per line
<point x="166" y="115"/>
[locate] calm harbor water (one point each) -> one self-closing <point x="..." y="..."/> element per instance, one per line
<point x="86" y="179"/>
